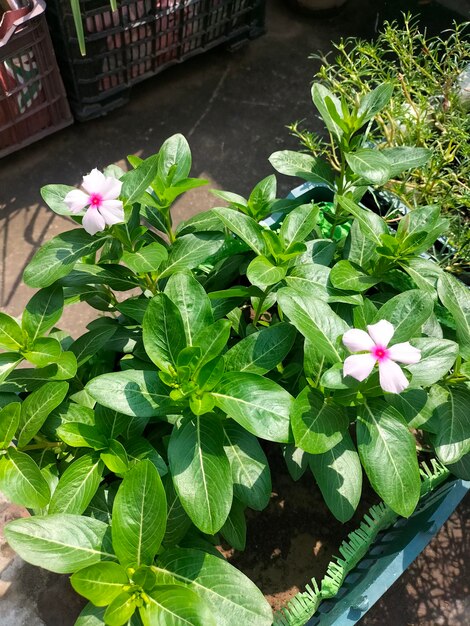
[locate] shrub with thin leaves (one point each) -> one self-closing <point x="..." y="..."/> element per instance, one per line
<point x="428" y="109"/>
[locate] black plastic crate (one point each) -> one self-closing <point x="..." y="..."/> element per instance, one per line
<point x="139" y="40"/>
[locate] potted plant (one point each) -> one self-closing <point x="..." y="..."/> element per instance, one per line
<point x="428" y="109"/>
<point x="137" y="445"/>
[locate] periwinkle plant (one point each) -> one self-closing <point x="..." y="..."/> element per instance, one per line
<point x="136" y="443"/>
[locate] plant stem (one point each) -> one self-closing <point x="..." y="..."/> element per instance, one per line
<point x="42" y="446"/>
<point x="169" y="229"/>
<point x="260" y="304"/>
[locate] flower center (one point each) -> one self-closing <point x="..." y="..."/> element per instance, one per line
<point x="95" y="200"/>
<point x="380" y="353"/>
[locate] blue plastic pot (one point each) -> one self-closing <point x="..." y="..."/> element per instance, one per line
<point x="389" y="557"/>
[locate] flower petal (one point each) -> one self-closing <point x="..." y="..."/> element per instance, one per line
<point x="381" y="332"/>
<point x="76" y="200"/>
<point x="359" y="366"/>
<point x="112" y="211"/>
<point x="94" y="182"/>
<point x="111" y="188"/>
<point x="356" y="340"/>
<point x="93" y="221"/>
<point x="391" y="377"/>
<point x="404" y="353"/>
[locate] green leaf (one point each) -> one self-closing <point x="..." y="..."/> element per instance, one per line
<point x="212" y="340"/>
<point x="249" y="466"/>
<point x="345" y="275"/>
<point x="232" y="597"/>
<point x="91" y="616"/>
<point x="262" y="197"/>
<point x="305" y="166"/>
<point x="319" y="251"/>
<point x="177" y="522"/>
<point x="67" y="412"/>
<point x="244" y="227"/>
<point x="456" y="298"/>
<point x="453" y="436"/>
<point x="100" y="583"/>
<point x="374" y="101"/>
<point x="339" y="476"/>
<point x="204" y="221"/>
<point x="21" y="480"/>
<point x="134" y="308"/>
<point x="413" y="405"/>
<point x="37" y="406"/>
<point x="313" y="281"/>
<point x="371" y="224"/>
<point x="80" y="435"/>
<point x="424" y="273"/>
<point x="262" y="272"/>
<point x="136" y="393"/>
<point x="43" y="351"/>
<point x="234" y="529"/>
<point x="138" y="449"/>
<point x="91" y="342"/>
<point x="402" y="158"/>
<point x="201" y="472"/>
<point x="9" y="422"/>
<point x="192" y="302"/>
<point x="461" y="469"/>
<point x="147" y="259"/>
<point x="110" y="423"/>
<point x="299" y="223"/>
<point x="58" y="256"/>
<point x="370" y="165"/>
<point x="437" y="357"/>
<point x="388" y="454"/>
<point x="60" y="543"/>
<point x="407" y="311"/>
<point x="101" y="504"/>
<point x="360" y="249"/>
<point x="115" y="457"/>
<point x="191" y="250"/>
<point x="261" y="351"/>
<point x="175" y="159"/>
<point x="77" y="486"/>
<point x="163" y="331"/>
<point x="174" y="605"/>
<point x="53" y="196"/>
<point x="139" y="516"/>
<point x="11" y="335"/>
<point x="120" y="610"/>
<point x="296" y="461"/>
<point x="8" y="362"/>
<point x="256" y="403"/>
<point x="317" y="425"/>
<point x="320" y="94"/>
<point x="316" y="321"/>
<point x="43" y="311"/>
<point x="116" y="277"/>
<point x="136" y="182"/>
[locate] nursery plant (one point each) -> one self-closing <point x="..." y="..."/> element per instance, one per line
<point x="429" y="108"/>
<point x="138" y="444"/>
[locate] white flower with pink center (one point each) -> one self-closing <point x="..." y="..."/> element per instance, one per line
<point x="100" y="199"/>
<point x="375" y="346"/>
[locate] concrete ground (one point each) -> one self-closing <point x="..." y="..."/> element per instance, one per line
<point x="233" y="108"/>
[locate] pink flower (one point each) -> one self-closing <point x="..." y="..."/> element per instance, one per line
<point x="100" y="198"/>
<point x="376" y="341"/>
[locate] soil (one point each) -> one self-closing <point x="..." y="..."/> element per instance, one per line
<point x="295" y="537"/>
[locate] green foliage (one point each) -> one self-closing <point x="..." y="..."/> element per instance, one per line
<point x="146" y="434"/>
<point x="426" y="112"/>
